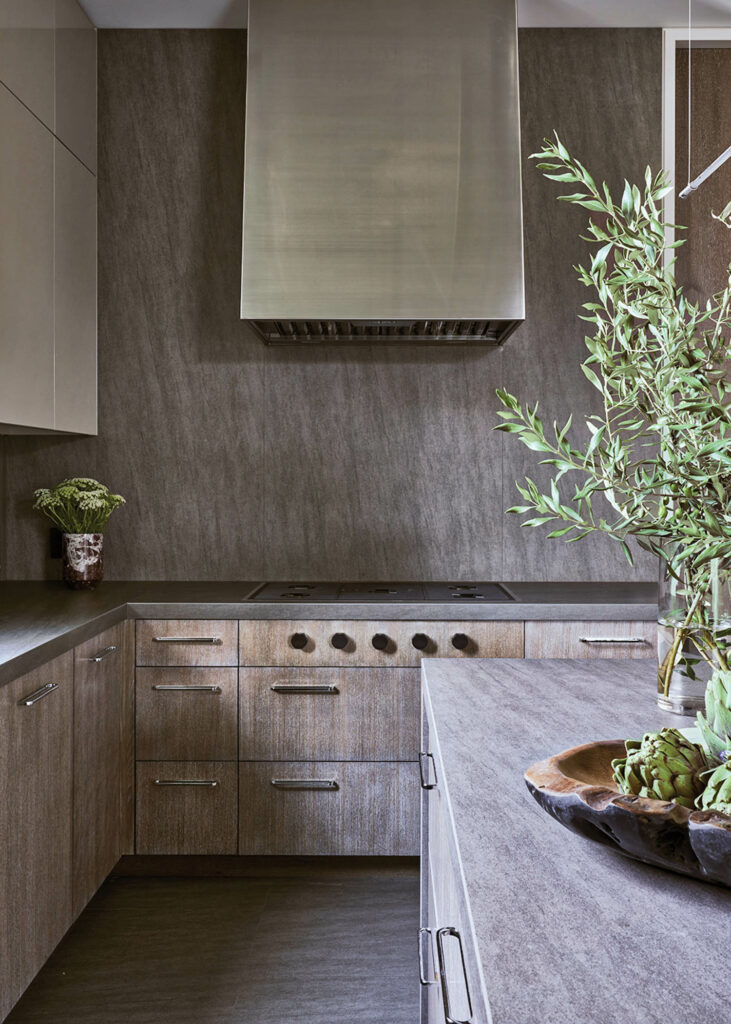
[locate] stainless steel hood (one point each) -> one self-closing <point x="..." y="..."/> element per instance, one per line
<point x="382" y="172"/>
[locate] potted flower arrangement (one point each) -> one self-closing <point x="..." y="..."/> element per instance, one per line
<point x="80" y="508"/>
<point x="659" y="450"/>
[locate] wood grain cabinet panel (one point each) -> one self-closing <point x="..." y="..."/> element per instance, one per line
<point x="590" y="639"/>
<point x="36" y="713"/>
<point x="338" y="808"/>
<point x="264" y="643"/>
<point x="351" y="714"/>
<point x="186" y="807"/>
<point x="98" y="762"/>
<point x="187" y="642"/>
<point x="187" y="714"/>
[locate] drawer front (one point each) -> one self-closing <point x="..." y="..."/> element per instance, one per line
<point x="180" y="811"/>
<point x="186" y="714"/>
<point x="270" y="642"/>
<point x="187" y="642"/>
<point x="324" y="714"/>
<point x="590" y="639"/>
<point x="357" y="808"/>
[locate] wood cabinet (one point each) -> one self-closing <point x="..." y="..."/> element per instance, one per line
<point x="98" y="838"/>
<point x="36" y="713"/>
<point x="339" y="808"/>
<point x="187" y="714"/>
<point x="329" y="714"/>
<point x="590" y="639"/>
<point x="192" y="642"/>
<point x="187" y="807"/>
<point x="47" y="218"/>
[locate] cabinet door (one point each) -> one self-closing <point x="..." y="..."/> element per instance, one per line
<point x="186" y="714"/>
<point x="75" y="291"/>
<point x="26" y="268"/>
<point x="590" y="639"/>
<point x="97" y="839"/>
<point x="26" y="54"/>
<point x="75" y="81"/>
<point x="35" y="822"/>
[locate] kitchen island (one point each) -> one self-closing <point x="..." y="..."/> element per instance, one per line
<point x="561" y="929"/>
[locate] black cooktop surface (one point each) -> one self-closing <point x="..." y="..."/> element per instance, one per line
<point x="459" y="593"/>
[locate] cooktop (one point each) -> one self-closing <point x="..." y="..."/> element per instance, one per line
<point x="377" y="592"/>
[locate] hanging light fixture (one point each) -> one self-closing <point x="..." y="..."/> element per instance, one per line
<point x="720" y="160"/>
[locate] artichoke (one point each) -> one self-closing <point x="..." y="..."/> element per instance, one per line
<point x="715" y="726"/>
<point x="717" y="794"/>
<point x="662" y="766"/>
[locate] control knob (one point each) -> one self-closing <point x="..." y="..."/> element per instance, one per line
<point x="339" y="641"/>
<point x="380" y="641"/>
<point x="420" y="641"/>
<point x="460" y="641"/>
<point x="298" y="641"/>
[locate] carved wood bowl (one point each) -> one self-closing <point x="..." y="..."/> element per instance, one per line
<point x="577" y="788"/>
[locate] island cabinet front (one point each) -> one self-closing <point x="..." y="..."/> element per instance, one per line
<point x="451" y="979"/>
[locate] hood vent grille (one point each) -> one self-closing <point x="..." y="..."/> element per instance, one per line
<point x="374" y="332"/>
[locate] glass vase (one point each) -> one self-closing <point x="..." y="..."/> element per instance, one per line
<point x="681" y="686"/>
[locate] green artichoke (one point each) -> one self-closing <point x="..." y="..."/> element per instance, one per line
<point x="715" y="725"/>
<point x="717" y="794"/>
<point x="662" y="766"/>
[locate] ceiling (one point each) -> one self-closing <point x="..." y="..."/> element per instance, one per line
<point x="531" y="13"/>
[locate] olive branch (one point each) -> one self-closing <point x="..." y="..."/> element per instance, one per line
<point x="659" y="452"/>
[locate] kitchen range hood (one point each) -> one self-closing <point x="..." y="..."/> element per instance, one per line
<point x="382" y="194"/>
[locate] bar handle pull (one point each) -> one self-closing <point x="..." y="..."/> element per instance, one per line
<point x="448" y="1017"/>
<point x="186" y="782"/>
<point x="106" y="652"/>
<point x="612" y="640"/>
<point x="215" y="640"/>
<point x="305" y="783"/>
<point x="422" y="969"/>
<point x="167" y="687"/>
<point x="304" y="688"/>
<point x="425" y="758"/>
<point x="39" y="694"/>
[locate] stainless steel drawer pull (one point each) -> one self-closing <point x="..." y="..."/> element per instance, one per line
<point x="612" y="640"/>
<point x="179" y="686"/>
<point x="305" y="688"/>
<point x="305" y="783"/>
<point x="104" y="653"/>
<point x="422" y="971"/>
<point x="449" y="1019"/>
<point x="186" y="782"/>
<point x="188" y="640"/>
<point x="33" y="698"/>
<point x="425" y="758"/>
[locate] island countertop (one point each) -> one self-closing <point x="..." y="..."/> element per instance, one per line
<point x="40" y="620"/>
<point x="567" y="931"/>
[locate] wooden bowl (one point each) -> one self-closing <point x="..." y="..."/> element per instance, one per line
<point x="577" y="788"/>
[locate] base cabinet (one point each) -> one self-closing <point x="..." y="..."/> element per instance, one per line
<point x="36" y="714"/>
<point x="186" y="807"/>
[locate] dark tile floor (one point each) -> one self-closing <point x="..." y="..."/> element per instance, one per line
<point x="314" y="948"/>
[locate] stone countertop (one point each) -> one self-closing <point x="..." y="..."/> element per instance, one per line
<point x="568" y="932"/>
<point x="39" y="621"/>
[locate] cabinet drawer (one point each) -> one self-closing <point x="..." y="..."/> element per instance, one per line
<point x="270" y="642"/>
<point x="186" y="714"/>
<point x="329" y="807"/>
<point x="187" y="642"/>
<point x="590" y="639"/>
<point x="327" y="714"/>
<point x="186" y="807"/>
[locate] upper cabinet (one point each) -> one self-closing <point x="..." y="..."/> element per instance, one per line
<point x="47" y="218"/>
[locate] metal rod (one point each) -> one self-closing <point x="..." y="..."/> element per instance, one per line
<point x="422" y="971"/>
<point x="187" y="639"/>
<point x="453" y="933"/>
<point x="612" y="640"/>
<point x="186" y="782"/>
<point x="693" y="185"/>
<point x="305" y="783"/>
<point x="37" y="695"/>
<point x="305" y="688"/>
<point x="424" y="776"/>
<point x="177" y="686"/>
<point x="101" y="655"/>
